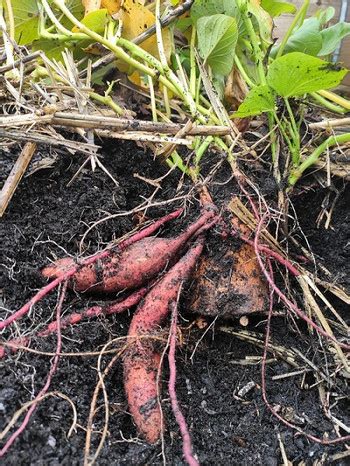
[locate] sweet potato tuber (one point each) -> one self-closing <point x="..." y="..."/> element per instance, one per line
<point x="141" y="361"/>
<point x="131" y="268"/>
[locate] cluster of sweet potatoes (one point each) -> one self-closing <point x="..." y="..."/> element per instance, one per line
<point x="134" y="267"/>
<point x="148" y="272"/>
<point x="152" y="270"/>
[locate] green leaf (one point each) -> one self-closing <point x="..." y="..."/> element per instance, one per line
<point x="95" y="20"/>
<point x="331" y="37"/>
<point x="275" y="8"/>
<point x="26" y="18"/>
<point x="262" y="21"/>
<point x="324" y="16"/>
<point x="296" y="74"/>
<point x="306" y="39"/>
<point x="183" y="24"/>
<point x="74" y="6"/>
<point x="260" y="99"/>
<point x="53" y="48"/>
<point x="217" y="39"/>
<point x="202" y="8"/>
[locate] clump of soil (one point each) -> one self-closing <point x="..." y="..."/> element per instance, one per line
<point x="46" y="219"/>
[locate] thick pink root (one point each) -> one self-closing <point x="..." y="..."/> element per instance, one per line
<point x="141" y="361"/>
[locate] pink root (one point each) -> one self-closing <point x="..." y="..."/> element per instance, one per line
<point x="284" y="298"/>
<point x="180" y="419"/>
<point x="75" y="318"/>
<point x="44" y="390"/>
<point x="263" y="380"/>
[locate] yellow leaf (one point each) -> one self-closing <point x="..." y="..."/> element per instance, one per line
<point x="113" y="6"/>
<point x="136" y="19"/>
<point x="135" y="78"/>
<point x="91" y="5"/>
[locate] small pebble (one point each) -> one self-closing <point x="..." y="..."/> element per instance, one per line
<point x="246" y="389"/>
<point x="51" y="441"/>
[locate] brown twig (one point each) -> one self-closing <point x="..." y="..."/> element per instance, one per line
<point x="15" y="175"/>
<point x="24" y="136"/>
<point x="124" y="124"/>
<point x="332" y="123"/>
<point x="20" y="61"/>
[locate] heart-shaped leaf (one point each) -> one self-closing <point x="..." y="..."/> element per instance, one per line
<point x="296" y="73"/>
<point x="217" y="39"/>
<point x="307" y="39"/>
<point x="95" y="20"/>
<point x="26" y="18"/>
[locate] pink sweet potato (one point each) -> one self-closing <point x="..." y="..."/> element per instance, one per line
<point x="142" y="361"/>
<point x="132" y="267"/>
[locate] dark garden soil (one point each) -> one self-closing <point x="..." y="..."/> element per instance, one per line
<point x="46" y="217"/>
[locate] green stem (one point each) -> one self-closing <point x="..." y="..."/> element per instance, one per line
<point x="292" y="119"/>
<point x="166" y="77"/>
<point x="331" y="141"/>
<point x="118" y="51"/>
<point x="10" y="19"/>
<point x="153" y="99"/>
<point x="294" y="131"/>
<point x="283" y="131"/>
<point x="159" y="36"/>
<point x="64" y="31"/>
<point x="243" y="72"/>
<point x="299" y="17"/>
<point x="62" y="37"/>
<point x="175" y="159"/>
<point x="193" y="74"/>
<point x="273" y="138"/>
<point x="201" y="151"/>
<point x="337" y="99"/>
<point x="41" y="72"/>
<point x="258" y="54"/>
<point x="107" y="100"/>
<point x="227" y="150"/>
<point x="7" y="40"/>
<point x="327" y="104"/>
<point x="198" y="91"/>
